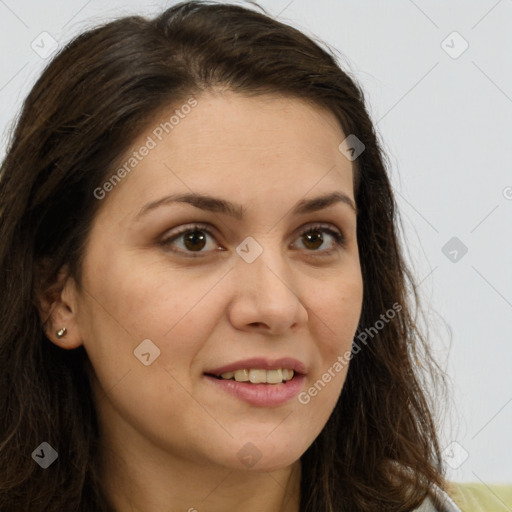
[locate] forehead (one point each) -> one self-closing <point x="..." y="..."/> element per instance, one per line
<point x="231" y="121"/>
<point x="236" y="146"/>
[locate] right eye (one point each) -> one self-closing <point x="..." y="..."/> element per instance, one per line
<point x="194" y="239"/>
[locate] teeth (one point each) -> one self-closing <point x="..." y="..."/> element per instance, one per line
<point x="258" y="376"/>
<point x="289" y="374"/>
<point x="241" y="375"/>
<point x="274" y="376"/>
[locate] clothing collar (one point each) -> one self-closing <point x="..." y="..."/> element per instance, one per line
<point x="440" y="502"/>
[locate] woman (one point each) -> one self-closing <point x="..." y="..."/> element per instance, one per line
<point x="204" y="300"/>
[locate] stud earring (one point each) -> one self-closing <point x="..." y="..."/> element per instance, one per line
<point x="61" y="332"/>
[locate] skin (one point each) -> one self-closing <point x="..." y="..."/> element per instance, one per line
<point x="170" y="438"/>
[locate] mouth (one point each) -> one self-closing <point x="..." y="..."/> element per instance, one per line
<point x="260" y="382"/>
<point x="257" y="375"/>
<point x="259" y="370"/>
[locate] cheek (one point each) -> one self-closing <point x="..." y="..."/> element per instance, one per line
<point x="336" y="312"/>
<point x="335" y="317"/>
<point x="143" y="296"/>
<point x="129" y="302"/>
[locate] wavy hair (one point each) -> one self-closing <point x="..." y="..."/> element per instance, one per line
<point x="379" y="449"/>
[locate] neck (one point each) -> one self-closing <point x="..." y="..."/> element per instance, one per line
<point x="158" y="482"/>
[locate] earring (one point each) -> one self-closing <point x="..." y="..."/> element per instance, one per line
<point x="61" y="332"/>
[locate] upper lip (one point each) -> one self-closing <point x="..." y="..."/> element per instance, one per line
<point x="261" y="363"/>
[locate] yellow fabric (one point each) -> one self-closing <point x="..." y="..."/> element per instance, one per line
<point x="478" y="497"/>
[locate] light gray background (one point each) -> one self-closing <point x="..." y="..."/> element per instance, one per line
<point x="446" y="125"/>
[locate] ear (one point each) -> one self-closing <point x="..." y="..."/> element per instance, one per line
<point x="57" y="305"/>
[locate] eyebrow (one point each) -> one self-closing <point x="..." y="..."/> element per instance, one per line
<point x="218" y="205"/>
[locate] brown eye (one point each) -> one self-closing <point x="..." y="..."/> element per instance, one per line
<point x="314" y="237"/>
<point x="194" y="240"/>
<point x="191" y="241"/>
<point x="313" y="240"/>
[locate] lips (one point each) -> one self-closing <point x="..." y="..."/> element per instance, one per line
<point x="262" y="364"/>
<point x="269" y="394"/>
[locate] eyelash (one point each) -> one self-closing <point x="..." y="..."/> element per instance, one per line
<point x="338" y="236"/>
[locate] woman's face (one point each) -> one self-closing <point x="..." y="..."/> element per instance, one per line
<point x="161" y="310"/>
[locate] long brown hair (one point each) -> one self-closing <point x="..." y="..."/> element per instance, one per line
<point x="89" y="104"/>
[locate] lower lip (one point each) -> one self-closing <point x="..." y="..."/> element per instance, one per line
<point x="261" y="395"/>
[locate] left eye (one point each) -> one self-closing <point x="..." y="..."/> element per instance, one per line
<point x="313" y="236"/>
<point x="195" y="239"/>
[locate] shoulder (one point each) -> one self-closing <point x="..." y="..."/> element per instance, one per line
<point x="469" y="497"/>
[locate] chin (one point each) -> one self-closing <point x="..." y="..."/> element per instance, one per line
<point x="260" y="454"/>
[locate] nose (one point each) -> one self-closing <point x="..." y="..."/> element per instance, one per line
<point x="266" y="295"/>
